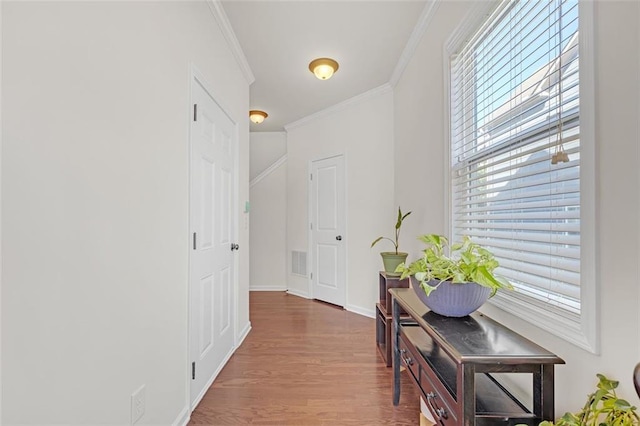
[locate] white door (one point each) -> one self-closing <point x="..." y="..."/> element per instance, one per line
<point x="328" y="239"/>
<point x="212" y="242"/>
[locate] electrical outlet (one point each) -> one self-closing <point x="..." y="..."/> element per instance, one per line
<point x="137" y="404"/>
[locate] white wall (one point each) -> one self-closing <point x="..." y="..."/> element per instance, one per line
<point x="265" y="149"/>
<point x="268" y="194"/>
<point x="95" y="204"/>
<point x="362" y="130"/>
<point x="420" y="140"/>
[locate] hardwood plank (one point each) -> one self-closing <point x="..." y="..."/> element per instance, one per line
<point x="306" y="363"/>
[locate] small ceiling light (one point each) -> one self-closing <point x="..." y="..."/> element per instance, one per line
<point x="257" y="116"/>
<point x="323" y="68"/>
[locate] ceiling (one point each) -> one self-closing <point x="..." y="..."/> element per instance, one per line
<point x="280" y="38"/>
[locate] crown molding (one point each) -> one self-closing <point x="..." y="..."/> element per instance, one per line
<point x="415" y="38"/>
<point x="377" y="91"/>
<point x="232" y="41"/>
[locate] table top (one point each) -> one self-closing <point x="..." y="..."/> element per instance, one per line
<point x="474" y="338"/>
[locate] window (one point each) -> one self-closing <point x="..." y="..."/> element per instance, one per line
<point x="516" y="95"/>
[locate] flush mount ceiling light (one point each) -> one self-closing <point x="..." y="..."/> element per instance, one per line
<point x="257" y="116"/>
<point x="323" y="68"/>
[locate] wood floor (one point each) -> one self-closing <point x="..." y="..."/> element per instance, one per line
<point x="306" y="363"/>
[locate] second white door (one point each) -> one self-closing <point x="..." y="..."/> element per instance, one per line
<point x="328" y="239"/>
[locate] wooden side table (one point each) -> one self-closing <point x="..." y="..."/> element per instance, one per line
<point x="451" y="361"/>
<point x="383" y="314"/>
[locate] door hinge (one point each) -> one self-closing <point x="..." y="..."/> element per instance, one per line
<point x="312" y="275"/>
<point x="195" y="112"/>
<point x="311" y="176"/>
<point x="194" y="240"/>
<point x="193" y="370"/>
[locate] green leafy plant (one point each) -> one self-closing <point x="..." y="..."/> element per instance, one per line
<point x="401" y="218"/>
<point x="603" y="407"/>
<point x="467" y="262"/>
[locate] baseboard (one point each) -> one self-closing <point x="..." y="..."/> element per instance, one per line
<point x="371" y="313"/>
<point x="298" y="293"/>
<point x="243" y="335"/>
<point x="267" y="289"/>
<point x="183" y="418"/>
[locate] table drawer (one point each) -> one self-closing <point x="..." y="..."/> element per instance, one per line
<point x="409" y="357"/>
<point x="436" y="400"/>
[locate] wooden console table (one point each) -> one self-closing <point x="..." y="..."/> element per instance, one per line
<point x="450" y="360"/>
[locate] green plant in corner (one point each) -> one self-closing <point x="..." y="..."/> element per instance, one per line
<point x="392" y="259"/>
<point x="603" y="407"/>
<point x="467" y="262"/>
<point x="395" y="242"/>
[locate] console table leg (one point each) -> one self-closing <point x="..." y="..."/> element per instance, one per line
<point x="547" y="392"/>
<point x="467" y="382"/>
<point x="395" y="313"/>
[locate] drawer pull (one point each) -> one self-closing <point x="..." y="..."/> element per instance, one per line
<point x="407" y="360"/>
<point x="438" y="411"/>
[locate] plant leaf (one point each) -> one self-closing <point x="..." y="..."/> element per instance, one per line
<point x="376" y="241"/>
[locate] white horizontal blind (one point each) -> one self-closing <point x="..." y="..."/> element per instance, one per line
<point x="514" y="96"/>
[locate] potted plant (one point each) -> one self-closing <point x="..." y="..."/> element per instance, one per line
<point x="603" y="407"/>
<point x="455" y="284"/>
<point x="391" y="259"/>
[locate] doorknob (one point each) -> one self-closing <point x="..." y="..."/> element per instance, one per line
<point x="234" y="247"/>
<point x="339" y="238"/>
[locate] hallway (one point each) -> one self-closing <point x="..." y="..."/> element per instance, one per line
<point x="305" y="363"/>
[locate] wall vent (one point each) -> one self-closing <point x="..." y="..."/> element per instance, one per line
<point x="299" y="263"/>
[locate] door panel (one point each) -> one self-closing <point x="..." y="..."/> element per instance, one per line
<point x="328" y="220"/>
<point x="225" y="309"/>
<point x="206" y="323"/>
<point x="212" y="227"/>
<point x="327" y="264"/>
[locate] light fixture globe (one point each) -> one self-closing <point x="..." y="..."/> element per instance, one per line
<point x="323" y="68"/>
<point x="257" y="116"/>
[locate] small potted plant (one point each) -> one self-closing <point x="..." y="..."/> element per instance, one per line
<point x="391" y="259"/>
<point x="456" y="284"/>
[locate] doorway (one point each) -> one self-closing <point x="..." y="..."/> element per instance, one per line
<point x="213" y="229"/>
<point x="327" y="230"/>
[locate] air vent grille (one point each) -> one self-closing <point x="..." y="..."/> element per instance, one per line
<point x="299" y="263"/>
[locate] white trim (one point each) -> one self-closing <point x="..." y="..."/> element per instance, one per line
<point x="377" y="91"/>
<point x="183" y="417"/>
<point x="243" y="335"/>
<point x="232" y="41"/>
<point x="187" y="369"/>
<point x="414" y="40"/>
<point x="298" y="293"/>
<point x="446" y="156"/>
<point x="589" y="289"/>
<point x="0" y="211"/>
<point x="309" y="231"/>
<point x="283" y="288"/>
<point x="366" y="312"/>
<point x="585" y="333"/>
<point x="476" y="15"/>
<point x="272" y="168"/>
